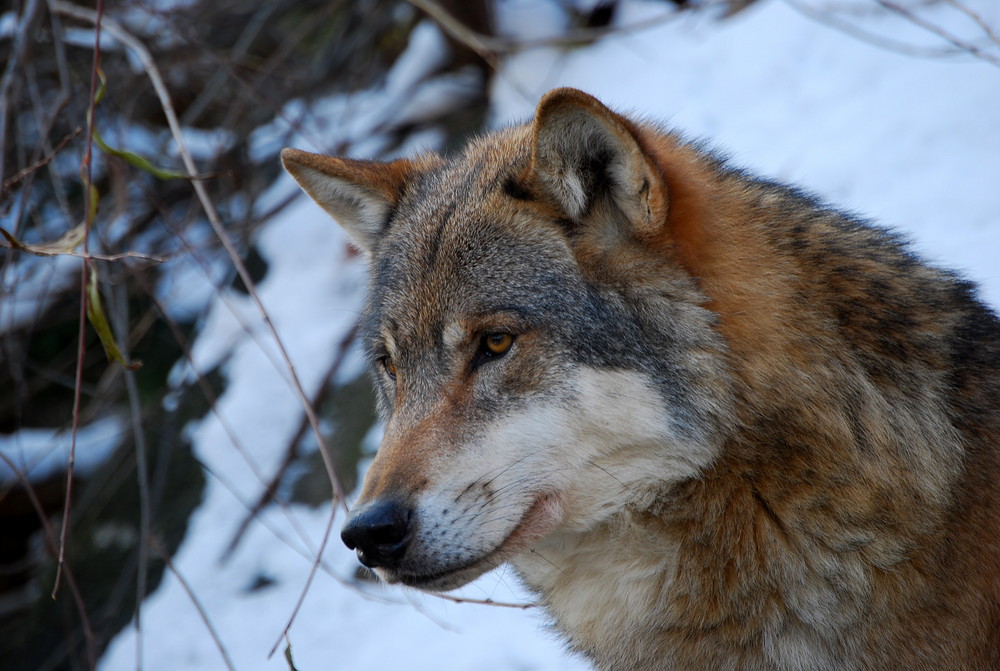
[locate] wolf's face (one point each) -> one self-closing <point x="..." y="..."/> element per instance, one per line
<point x="527" y="386"/>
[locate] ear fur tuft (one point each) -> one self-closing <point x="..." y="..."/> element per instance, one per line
<point x="358" y="194"/>
<point x="582" y="150"/>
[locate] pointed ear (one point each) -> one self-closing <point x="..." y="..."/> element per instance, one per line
<point x="582" y="152"/>
<point x="358" y="194"/>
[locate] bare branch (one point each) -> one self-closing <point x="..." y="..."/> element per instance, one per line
<point x="958" y="42"/>
<point x="12" y="181"/>
<point x="488" y="46"/>
<point x="830" y="16"/>
<point x="152" y="71"/>
<point x="141" y="469"/>
<point x="291" y="450"/>
<point x="990" y="33"/>
<point x="89" y="209"/>
<point x="305" y="588"/>
<point x="66" y="246"/>
<point x="51" y="542"/>
<point x="483" y="602"/>
<point x="485" y="45"/>
<point x="159" y="548"/>
<point x="230" y="431"/>
<point x="15" y="65"/>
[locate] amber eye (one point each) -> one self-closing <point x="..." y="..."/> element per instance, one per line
<point x="389" y="366"/>
<point x="495" y="344"/>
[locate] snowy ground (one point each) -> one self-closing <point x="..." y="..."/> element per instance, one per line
<point x="912" y="142"/>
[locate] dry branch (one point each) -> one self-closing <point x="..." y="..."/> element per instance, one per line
<point x="954" y="40"/>
<point x="831" y="16"/>
<point x="152" y="71"/>
<point x="52" y="544"/>
<point x="489" y="47"/>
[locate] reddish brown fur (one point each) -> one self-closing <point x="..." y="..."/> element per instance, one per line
<point x="935" y="603"/>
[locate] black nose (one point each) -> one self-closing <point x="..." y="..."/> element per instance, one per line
<point x="379" y="531"/>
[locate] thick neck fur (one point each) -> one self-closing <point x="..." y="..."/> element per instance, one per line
<point x="659" y="597"/>
<point x="818" y="532"/>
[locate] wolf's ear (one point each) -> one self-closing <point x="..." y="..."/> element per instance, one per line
<point x="582" y="151"/>
<point x="358" y="194"/>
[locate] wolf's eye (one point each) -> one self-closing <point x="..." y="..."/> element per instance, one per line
<point x="389" y="367"/>
<point x="495" y="344"/>
<point x="491" y="346"/>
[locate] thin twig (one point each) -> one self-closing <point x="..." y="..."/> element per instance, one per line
<point x="141" y="469"/>
<point x="152" y="71"/>
<point x="46" y="121"/>
<point x="829" y="18"/>
<point x="252" y="89"/>
<point x="483" y="602"/>
<point x="10" y="182"/>
<point x="84" y="271"/>
<point x="119" y="257"/>
<point x="973" y="49"/>
<point x="307" y="551"/>
<point x="55" y="250"/>
<point x="986" y="28"/>
<point x="291" y="451"/>
<point x="49" y="537"/>
<point x="488" y="46"/>
<point x="161" y="550"/>
<point x="55" y="108"/>
<point x="15" y="65"/>
<point x="312" y="574"/>
<point x="230" y="431"/>
<point x="238" y="52"/>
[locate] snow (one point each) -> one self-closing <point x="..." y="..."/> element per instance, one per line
<point x="27" y="288"/>
<point x="203" y="144"/>
<point x="40" y="453"/>
<point x="8" y="25"/>
<point x="359" y="121"/>
<point x="912" y="142"/>
<point x="909" y="142"/>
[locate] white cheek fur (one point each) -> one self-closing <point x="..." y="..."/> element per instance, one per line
<point x="605" y="442"/>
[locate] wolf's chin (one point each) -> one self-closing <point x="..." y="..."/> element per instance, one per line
<point x="541" y="518"/>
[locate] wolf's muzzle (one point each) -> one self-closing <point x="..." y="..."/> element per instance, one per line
<point x="379" y="531"/>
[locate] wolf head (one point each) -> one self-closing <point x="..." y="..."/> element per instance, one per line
<point x="543" y="357"/>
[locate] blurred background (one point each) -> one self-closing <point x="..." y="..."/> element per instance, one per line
<point x="177" y="322"/>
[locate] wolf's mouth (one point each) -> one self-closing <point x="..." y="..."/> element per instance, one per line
<point x="541" y="518"/>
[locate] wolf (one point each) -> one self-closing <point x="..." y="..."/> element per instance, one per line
<point x="711" y="421"/>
